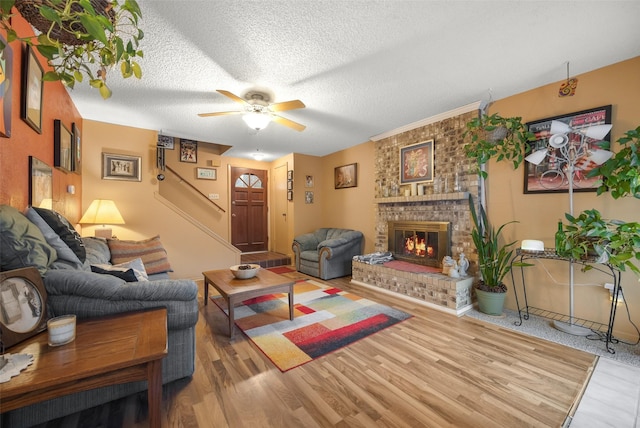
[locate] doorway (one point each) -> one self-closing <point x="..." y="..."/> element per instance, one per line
<point x="280" y="239"/>
<point x="249" y="209"/>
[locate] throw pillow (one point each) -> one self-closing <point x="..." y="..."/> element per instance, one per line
<point x="122" y="273"/>
<point x="138" y="268"/>
<point x="135" y="265"/>
<point x="97" y="250"/>
<point x="65" y="231"/>
<point x="151" y="251"/>
<point x="21" y="243"/>
<point x="63" y="250"/>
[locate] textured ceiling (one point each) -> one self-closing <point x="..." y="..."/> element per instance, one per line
<point x="361" y="67"/>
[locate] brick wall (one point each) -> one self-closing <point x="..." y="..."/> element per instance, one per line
<point x="449" y="158"/>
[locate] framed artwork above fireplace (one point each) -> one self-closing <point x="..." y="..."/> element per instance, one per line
<point x="416" y="163"/>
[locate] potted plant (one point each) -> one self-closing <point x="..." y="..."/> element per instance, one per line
<point x="81" y="37"/>
<point x="615" y="242"/>
<point x="494" y="261"/>
<point x="590" y="237"/>
<point x="504" y="138"/>
<point x="621" y="173"/>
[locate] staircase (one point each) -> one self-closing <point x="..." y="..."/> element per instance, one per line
<point x="266" y="259"/>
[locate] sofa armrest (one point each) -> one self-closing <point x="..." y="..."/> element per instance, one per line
<point x="88" y="295"/>
<point x="306" y="242"/>
<point x="347" y="243"/>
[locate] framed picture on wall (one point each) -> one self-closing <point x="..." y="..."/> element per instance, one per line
<point x="121" y="167"/>
<point x="6" y="67"/>
<point x="40" y="184"/>
<point x="166" y="142"/>
<point x="290" y="175"/>
<point x="206" y="173"/>
<point x="32" y="87"/>
<point x="62" y="146"/>
<point x="308" y="181"/>
<point x="188" y="151"/>
<point x="346" y="176"/>
<point x="76" y="149"/>
<point x="416" y="163"/>
<point x="550" y="176"/>
<point x="290" y="195"/>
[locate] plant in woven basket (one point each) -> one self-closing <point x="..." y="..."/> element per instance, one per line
<point x="503" y="137"/>
<point x="81" y="37"/>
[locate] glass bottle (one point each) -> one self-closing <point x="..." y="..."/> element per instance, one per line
<point x="560" y="240"/>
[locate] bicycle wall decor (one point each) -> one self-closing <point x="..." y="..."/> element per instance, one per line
<point x="550" y="176"/>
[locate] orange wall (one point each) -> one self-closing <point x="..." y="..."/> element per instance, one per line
<point x="191" y="249"/>
<point x="353" y="207"/>
<point x="24" y="141"/>
<point x="538" y="214"/>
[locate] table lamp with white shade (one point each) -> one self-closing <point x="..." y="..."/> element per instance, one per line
<point x="104" y="212"/>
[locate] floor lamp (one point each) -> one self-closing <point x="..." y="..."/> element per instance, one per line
<point x="571" y="148"/>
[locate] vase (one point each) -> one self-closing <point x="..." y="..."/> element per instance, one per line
<point x="490" y="303"/>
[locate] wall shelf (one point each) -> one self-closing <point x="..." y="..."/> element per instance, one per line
<point x="454" y="196"/>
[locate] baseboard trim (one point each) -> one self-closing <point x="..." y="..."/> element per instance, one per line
<point x="457" y="312"/>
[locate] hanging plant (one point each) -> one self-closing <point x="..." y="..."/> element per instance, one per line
<point x="504" y="138"/>
<point x="81" y="38"/>
<point x="621" y="173"/>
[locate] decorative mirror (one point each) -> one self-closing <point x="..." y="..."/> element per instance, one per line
<point x="23" y="305"/>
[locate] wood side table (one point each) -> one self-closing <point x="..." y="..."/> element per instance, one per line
<point x="107" y="351"/>
<point x="235" y="290"/>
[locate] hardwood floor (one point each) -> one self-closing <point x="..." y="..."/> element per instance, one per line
<point x="433" y="370"/>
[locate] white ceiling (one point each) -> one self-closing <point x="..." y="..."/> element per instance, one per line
<point x="361" y="67"/>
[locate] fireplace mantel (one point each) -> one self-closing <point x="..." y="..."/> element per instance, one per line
<point x="455" y="196"/>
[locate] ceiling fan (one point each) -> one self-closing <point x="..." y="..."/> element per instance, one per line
<point x="257" y="112"/>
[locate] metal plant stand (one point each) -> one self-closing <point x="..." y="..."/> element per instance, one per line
<point x="596" y="330"/>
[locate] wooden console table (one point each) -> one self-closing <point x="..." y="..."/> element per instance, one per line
<point x="107" y="351"/>
<point x="604" y="331"/>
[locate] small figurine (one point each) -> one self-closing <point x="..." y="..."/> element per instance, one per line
<point x="463" y="265"/>
<point x="447" y="264"/>
<point x="453" y="272"/>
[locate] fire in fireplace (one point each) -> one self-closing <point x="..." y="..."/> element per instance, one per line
<point x="422" y="242"/>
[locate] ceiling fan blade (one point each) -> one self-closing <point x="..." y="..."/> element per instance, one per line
<point x="232" y="96"/>
<point x="287" y="105"/>
<point x="286" y="122"/>
<point x="219" y="113"/>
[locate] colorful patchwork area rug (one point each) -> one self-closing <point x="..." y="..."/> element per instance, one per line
<point x="325" y="319"/>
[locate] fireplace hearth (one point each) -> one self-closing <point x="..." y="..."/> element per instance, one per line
<point x="421" y="242"/>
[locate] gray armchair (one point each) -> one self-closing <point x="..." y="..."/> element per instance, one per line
<point x="327" y="252"/>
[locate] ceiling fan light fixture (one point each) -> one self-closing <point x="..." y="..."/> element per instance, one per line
<point x="257" y="121"/>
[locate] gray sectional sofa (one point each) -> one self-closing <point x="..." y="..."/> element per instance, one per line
<point x="73" y="288"/>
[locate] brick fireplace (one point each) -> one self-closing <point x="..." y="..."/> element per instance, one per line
<point x="446" y="206"/>
<point x="421" y="242"/>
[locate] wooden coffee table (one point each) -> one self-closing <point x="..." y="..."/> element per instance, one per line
<point x="235" y="290"/>
<point x="107" y="351"/>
